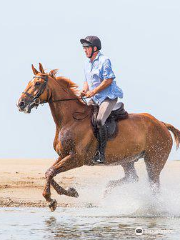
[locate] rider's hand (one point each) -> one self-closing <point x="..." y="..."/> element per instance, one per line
<point x="90" y="94"/>
<point x="82" y="93"/>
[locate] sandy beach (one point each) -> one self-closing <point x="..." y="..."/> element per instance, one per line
<point x="22" y="181"/>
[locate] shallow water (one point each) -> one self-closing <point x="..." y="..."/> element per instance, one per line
<point x="83" y="223"/>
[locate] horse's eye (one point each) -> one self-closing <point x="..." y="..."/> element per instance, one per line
<point x="37" y="83"/>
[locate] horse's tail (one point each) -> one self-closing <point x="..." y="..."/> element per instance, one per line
<point x="175" y="132"/>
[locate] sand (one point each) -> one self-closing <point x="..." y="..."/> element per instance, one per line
<point x="22" y="181"/>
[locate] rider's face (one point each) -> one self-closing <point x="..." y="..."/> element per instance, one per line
<point x="88" y="51"/>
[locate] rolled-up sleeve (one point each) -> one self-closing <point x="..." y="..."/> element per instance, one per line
<point x="107" y="70"/>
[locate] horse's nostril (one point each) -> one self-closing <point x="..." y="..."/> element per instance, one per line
<point x="21" y="104"/>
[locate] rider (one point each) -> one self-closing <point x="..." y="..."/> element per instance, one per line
<point x="100" y="86"/>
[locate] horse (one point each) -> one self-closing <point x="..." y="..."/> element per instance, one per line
<point x="139" y="136"/>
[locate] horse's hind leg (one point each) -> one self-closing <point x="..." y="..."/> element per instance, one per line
<point x="155" y="162"/>
<point x="130" y="176"/>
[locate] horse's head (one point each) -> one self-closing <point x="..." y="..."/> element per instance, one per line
<point x="36" y="92"/>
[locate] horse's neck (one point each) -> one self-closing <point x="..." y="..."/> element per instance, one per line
<point x="62" y="111"/>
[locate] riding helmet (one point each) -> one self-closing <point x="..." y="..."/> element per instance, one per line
<point x="92" y="41"/>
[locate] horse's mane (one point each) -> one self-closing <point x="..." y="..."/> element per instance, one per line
<point x="70" y="85"/>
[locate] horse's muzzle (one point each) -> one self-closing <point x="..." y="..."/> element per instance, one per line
<point x="21" y="105"/>
<point x="24" y="107"/>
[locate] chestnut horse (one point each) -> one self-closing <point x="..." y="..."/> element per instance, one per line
<point x="139" y="136"/>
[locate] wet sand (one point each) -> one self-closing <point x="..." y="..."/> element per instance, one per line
<point x="22" y="181"/>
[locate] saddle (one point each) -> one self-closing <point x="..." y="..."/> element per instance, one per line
<point x="118" y="113"/>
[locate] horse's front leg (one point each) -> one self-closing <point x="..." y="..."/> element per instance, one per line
<point x="61" y="165"/>
<point x="47" y="192"/>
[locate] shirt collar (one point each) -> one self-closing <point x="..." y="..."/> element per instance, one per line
<point x="96" y="58"/>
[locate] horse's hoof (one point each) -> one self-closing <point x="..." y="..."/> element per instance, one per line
<point x="53" y="205"/>
<point x="72" y="192"/>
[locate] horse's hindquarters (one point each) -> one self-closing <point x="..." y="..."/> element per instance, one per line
<point x="138" y="136"/>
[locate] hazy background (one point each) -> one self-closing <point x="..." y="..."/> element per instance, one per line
<point x="141" y="37"/>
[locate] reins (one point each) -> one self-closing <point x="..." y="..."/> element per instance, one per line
<point x="68" y="99"/>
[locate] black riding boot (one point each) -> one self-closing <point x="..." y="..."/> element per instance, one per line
<point x="102" y="139"/>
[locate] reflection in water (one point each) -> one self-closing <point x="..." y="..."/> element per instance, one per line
<point x="105" y="227"/>
<point x="82" y="223"/>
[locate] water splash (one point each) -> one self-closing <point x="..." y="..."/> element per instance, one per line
<point x="137" y="200"/>
<point x="133" y="199"/>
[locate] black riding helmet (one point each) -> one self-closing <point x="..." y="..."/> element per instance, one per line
<point x="91" y="41"/>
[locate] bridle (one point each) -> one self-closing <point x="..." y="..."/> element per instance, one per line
<point x="36" y="101"/>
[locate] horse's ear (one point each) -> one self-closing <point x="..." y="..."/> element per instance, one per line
<point x="41" y="69"/>
<point x="34" y="70"/>
<point x="53" y="73"/>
